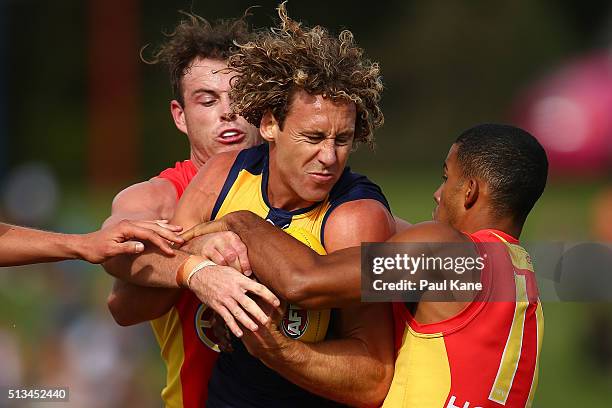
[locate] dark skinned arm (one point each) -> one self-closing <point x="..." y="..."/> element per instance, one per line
<point x="301" y="276"/>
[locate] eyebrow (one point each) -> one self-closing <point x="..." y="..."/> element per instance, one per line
<point x="318" y="133"/>
<point x="204" y="91"/>
<point x="444" y="166"/>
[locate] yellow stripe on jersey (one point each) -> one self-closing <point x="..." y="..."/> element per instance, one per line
<point x="520" y="258"/>
<point x="169" y="335"/>
<point x="413" y="387"/>
<point x="540" y="335"/>
<point x="512" y="351"/>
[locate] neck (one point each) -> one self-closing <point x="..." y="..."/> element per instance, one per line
<point x="197" y="160"/>
<point x="280" y="194"/>
<point x="506" y="225"/>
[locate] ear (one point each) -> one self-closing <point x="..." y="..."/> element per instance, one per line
<point x="471" y="194"/>
<point x="178" y="114"/>
<point x="268" y="127"/>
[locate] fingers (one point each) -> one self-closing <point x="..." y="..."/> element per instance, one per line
<point x="229" y="320"/>
<point x="161" y="229"/>
<point x="240" y="315"/>
<point x="167" y="225"/>
<point x="216" y="257"/>
<point x="261" y="291"/>
<point x="221" y="332"/>
<point x="234" y="251"/>
<point x="203" y="229"/>
<point x="241" y="253"/>
<point x="226" y="244"/>
<point x="232" y="260"/>
<point x="131" y="231"/>
<point x="254" y="310"/>
<point x="127" y="247"/>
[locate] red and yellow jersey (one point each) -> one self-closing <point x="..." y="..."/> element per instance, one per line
<point x="180" y="176"/>
<point x="487" y="355"/>
<point x="184" y="334"/>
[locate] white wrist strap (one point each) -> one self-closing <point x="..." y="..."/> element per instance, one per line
<point x="198" y="268"/>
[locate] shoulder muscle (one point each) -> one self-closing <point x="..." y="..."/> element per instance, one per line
<point x="149" y="200"/>
<point x="358" y="221"/>
<point x="200" y="196"/>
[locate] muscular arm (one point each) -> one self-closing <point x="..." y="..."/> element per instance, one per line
<point x="356" y="370"/>
<point x="133" y="299"/>
<point x="357" y="367"/>
<point x="305" y="278"/>
<point x="221" y="287"/>
<point x="157" y="197"/>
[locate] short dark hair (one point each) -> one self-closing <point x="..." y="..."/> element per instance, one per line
<point x="510" y="160"/>
<point x="195" y="37"/>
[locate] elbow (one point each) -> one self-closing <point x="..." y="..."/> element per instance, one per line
<point x="374" y="394"/>
<point x="111" y="268"/>
<point x="119" y="312"/>
<point x="303" y="287"/>
<point x="298" y="291"/>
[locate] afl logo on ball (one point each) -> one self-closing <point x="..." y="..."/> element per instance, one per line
<point x="295" y="322"/>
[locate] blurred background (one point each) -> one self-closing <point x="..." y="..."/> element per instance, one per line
<point x="81" y="117"/>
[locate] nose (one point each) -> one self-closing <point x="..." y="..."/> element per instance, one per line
<point x="437" y="194"/>
<point x="327" y="153"/>
<point x="227" y="114"/>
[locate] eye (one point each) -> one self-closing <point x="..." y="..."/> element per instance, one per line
<point x="342" y="141"/>
<point x="208" y="102"/>
<point x="314" y="139"/>
<point x="444" y="178"/>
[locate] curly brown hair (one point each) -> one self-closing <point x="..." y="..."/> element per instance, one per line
<point x="279" y="61"/>
<point x="195" y="37"/>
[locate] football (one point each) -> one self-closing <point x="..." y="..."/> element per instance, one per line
<point x="305" y="325"/>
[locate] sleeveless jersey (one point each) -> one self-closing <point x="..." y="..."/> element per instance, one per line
<point x="487" y="355"/>
<point x="238" y="379"/>
<point x="188" y="346"/>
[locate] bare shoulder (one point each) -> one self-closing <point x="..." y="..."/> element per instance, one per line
<point x="212" y="174"/>
<point x="199" y="198"/>
<point x="430" y="231"/>
<point x="358" y="221"/>
<point x="152" y="199"/>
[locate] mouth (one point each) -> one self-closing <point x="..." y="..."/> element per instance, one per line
<point x="231" y="136"/>
<point x="321" y="177"/>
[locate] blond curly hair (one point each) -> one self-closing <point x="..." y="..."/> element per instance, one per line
<point x="279" y="61"/>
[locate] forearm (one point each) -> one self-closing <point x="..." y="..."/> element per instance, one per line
<point x="20" y="246"/>
<point x="342" y="370"/>
<point x="295" y="272"/>
<point x="151" y="268"/>
<point x="130" y="304"/>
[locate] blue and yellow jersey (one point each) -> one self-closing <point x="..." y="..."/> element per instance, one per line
<point x="238" y="379"/>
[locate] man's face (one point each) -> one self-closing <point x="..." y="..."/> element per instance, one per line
<point x="206" y="116"/>
<point x="311" y="151"/>
<point x="449" y="196"/>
